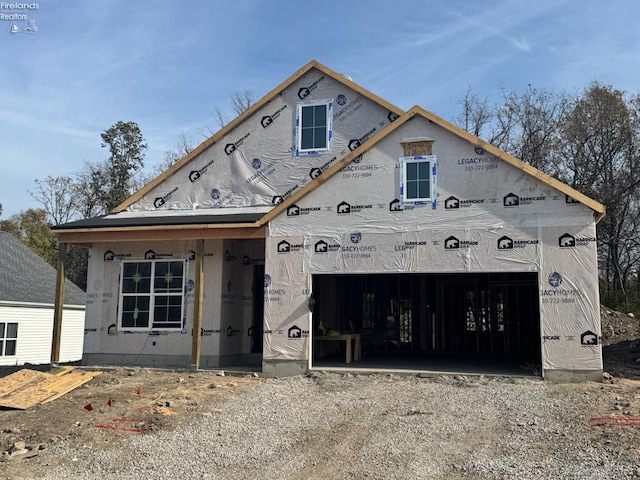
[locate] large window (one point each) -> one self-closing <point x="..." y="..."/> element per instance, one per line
<point x="152" y="295"/>
<point x="8" y="338"/>
<point x="313" y="127"/>
<point x="418" y="179"/>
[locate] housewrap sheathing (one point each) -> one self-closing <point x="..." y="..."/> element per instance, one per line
<point x="489" y="217"/>
<point x="255" y="163"/>
<point x="227" y="309"/>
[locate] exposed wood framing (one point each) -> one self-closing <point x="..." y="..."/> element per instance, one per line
<point x="58" y="304"/>
<point x="246" y="114"/>
<point x="598" y="209"/>
<point x="197" y="306"/>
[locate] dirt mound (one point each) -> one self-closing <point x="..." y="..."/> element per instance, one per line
<point x="620" y="343"/>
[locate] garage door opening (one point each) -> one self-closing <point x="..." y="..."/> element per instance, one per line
<point x="481" y="322"/>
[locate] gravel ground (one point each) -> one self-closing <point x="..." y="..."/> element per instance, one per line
<point x="330" y="425"/>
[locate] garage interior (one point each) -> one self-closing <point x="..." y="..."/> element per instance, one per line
<point x="455" y="323"/>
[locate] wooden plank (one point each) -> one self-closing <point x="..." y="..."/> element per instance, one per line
<point x="61" y="371"/>
<point x="25" y="388"/>
<point x="59" y="303"/>
<point x="67" y="383"/>
<point x="196" y="340"/>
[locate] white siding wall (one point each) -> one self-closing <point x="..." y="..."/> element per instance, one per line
<point x="35" y="333"/>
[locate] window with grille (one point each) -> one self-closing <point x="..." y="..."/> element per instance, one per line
<point x="152" y="295"/>
<point x="418" y="180"/>
<point x="8" y="339"/>
<point x="313" y="127"/>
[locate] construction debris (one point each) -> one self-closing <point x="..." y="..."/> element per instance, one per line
<point x="26" y="388"/>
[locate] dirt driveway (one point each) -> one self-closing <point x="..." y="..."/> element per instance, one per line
<point x="120" y="403"/>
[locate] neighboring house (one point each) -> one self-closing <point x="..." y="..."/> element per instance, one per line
<point x="27" y="293"/>
<point x="426" y="239"/>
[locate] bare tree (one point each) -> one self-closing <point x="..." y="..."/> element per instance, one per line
<point x="241" y="101"/>
<point x="58" y="197"/>
<point x="527" y="125"/>
<point x="599" y="156"/>
<point x="476" y="114"/>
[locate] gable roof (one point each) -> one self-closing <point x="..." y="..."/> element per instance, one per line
<point x="246" y="114"/>
<point x="598" y="208"/>
<point x="26" y="278"/>
<point x="121" y="225"/>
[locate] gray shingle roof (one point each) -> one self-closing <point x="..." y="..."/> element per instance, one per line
<point x="26" y="277"/>
<point x="116" y="221"/>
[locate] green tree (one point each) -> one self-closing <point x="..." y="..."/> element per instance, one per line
<point x="114" y="178"/>
<point x="34" y="230"/>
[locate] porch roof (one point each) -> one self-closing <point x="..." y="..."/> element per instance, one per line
<point x="176" y="225"/>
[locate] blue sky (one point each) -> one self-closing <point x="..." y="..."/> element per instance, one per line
<point x="168" y="64"/>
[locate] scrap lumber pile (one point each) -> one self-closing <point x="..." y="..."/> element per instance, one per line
<point x="26" y="388"/>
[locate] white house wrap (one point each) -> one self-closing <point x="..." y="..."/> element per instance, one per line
<point x="324" y="205"/>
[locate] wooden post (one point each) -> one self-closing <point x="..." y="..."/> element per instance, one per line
<point x="58" y="305"/>
<point x="197" y="306"/>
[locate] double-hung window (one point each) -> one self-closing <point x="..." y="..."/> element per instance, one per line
<point x="152" y="295"/>
<point x="8" y="338"/>
<point x="313" y="127"/>
<point x="418" y="180"/>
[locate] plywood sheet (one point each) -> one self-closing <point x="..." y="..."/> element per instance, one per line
<point x="26" y="388"/>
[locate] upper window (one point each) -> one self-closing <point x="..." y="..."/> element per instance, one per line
<point x="313" y="127"/>
<point x="418" y="179"/>
<point x="152" y="295"/>
<point x="8" y="338"/>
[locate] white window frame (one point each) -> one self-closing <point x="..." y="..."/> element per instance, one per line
<point x="329" y="125"/>
<point x="153" y="295"/>
<point x="433" y="171"/>
<point x="4" y="338"/>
